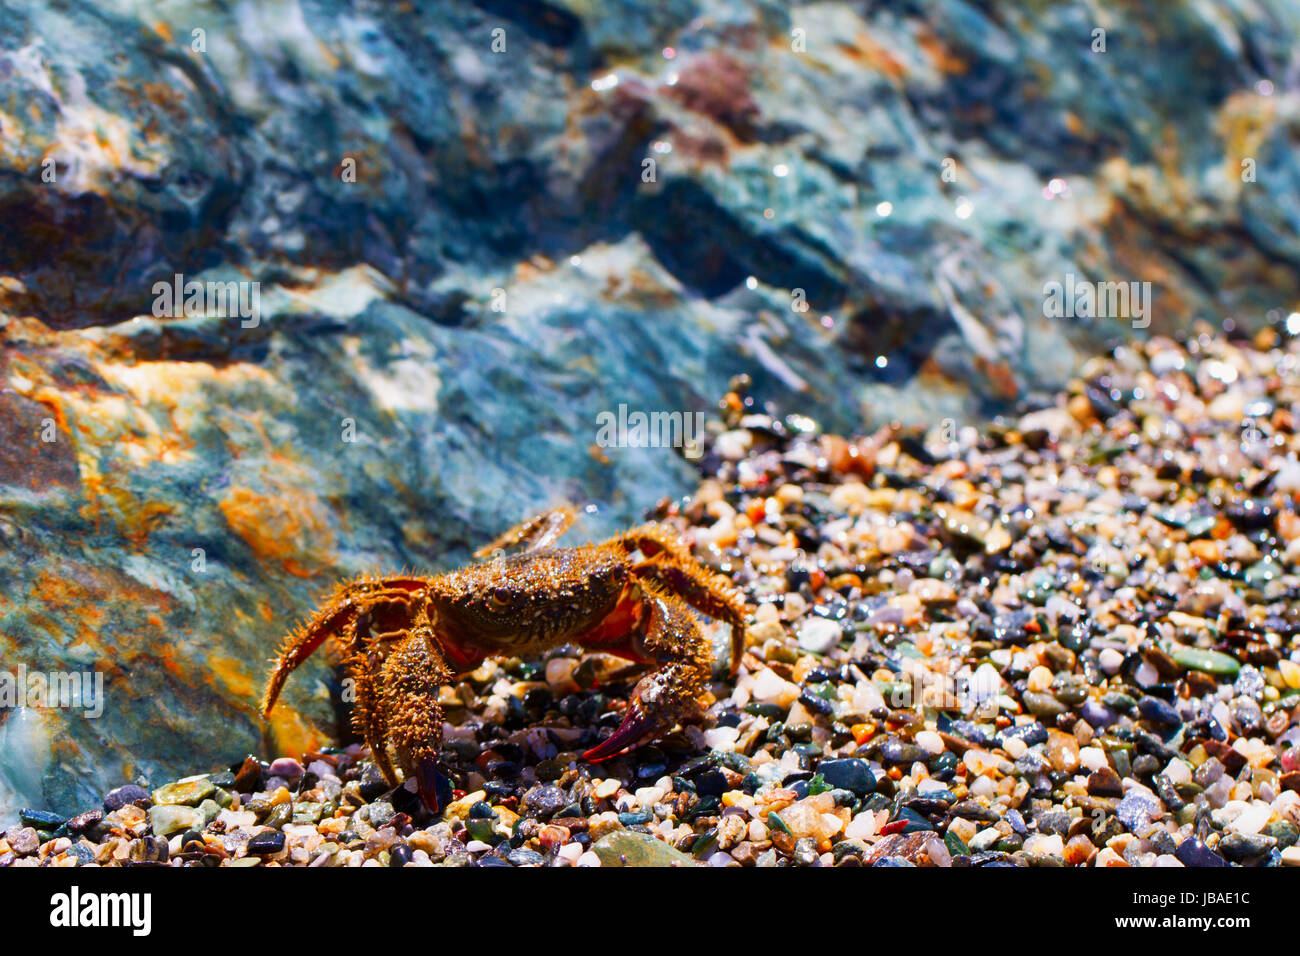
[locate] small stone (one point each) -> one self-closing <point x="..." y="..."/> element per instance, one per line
<point x="545" y="801"/>
<point x="895" y="751"/>
<point x="248" y="777"/>
<point x="1192" y="852"/>
<point x="1039" y="679"/>
<point x="266" y="843"/>
<point x="525" y="857"/>
<point x="286" y="767"/>
<point x="381" y="813"/>
<point x="819" y="635"/>
<point x="188" y="793"/>
<point x="631" y="848"/>
<point x="167" y="819"/>
<point x="1158" y="712"/>
<point x="1138" y="810"/>
<point x="1110" y="661"/>
<point x="1245" y="848"/>
<point x="40" y="819"/>
<point x="930" y="741"/>
<point x="848" y="774"/>
<point x="1251" y="820"/>
<point x="1043" y="706"/>
<point x="84" y="821"/>
<point x="122" y="796"/>
<point x="23" y="840"/>
<point x="1211" y="662"/>
<point x="1105" y="782"/>
<point x="1098" y="715"/>
<point x="1290" y="672"/>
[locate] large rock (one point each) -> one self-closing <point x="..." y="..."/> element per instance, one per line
<point x="175" y="490"/>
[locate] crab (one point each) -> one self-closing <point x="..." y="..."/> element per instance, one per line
<point x="403" y="637"/>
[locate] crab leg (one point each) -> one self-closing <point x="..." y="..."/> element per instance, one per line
<point x="410" y="679"/>
<point x="368" y="714"/>
<point x="671" y="693"/>
<point x="672" y="566"/>
<point x="538" y="532"/>
<point x="335" y="620"/>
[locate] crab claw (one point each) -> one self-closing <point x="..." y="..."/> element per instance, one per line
<point x="428" y="782"/>
<point x="635" y="727"/>
<point x="658" y="701"/>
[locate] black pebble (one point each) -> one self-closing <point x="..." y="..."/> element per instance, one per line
<point x="116" y="799"/>
<point x="266" y="843"/>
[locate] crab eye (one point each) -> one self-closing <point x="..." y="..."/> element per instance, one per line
<point x="500" y="596"/>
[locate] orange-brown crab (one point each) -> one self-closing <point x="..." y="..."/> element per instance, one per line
<point x="402" y="637"/>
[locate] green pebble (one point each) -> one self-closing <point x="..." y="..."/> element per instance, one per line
<point x="705" y="843"/>
<point x="279" y="816"/>
<point x="188" y="793"/>
<point x="168" y="819"/>
<point x="208" y="810"/>
<point x="631" y="848"/>
<point x="1284" y="833"/>
<point x="1211" y="662"/>
<point x="1258" y="575"/>
<point x="1043" y="706"/>
<point x="776" y="823"/>
<point x="480" y="829"/>
<point x="307" y="812"/>
<point x="955" y="845"/>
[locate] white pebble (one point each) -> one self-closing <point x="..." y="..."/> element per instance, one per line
<point x="1094" y="758"/>
<point x="1110" y="660"/>
<point x="1039" y="679"/>
<point x="819" y="635"/>
<point x="861" y="827"/>
<point x="732" y="445"/>
<point x="588" y="859"/>
<point x="1251" y="820"/>
<point x="1044" y="845"/>
<point x="570" y="852"/>
<point x="930" y="741"/>
<point x="1178" y="771"/>
<point x="721" y="738"/>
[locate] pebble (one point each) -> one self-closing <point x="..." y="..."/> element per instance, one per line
<point x="850" y="774"/>
<point x="121" y="796"/>
<point x="819" y="635"/>
<point x="185" y="792"/>
<point x="266" y="843"/>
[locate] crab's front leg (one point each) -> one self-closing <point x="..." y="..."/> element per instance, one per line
<point x="669" y="694"/>
<point x="410" y="678"/>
